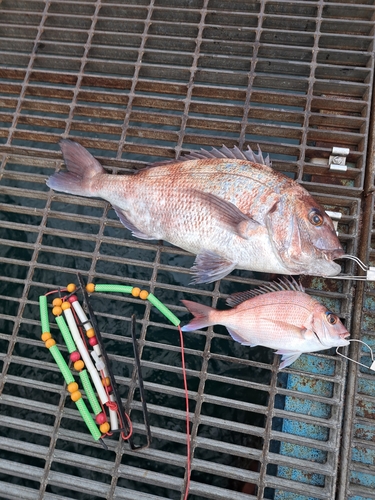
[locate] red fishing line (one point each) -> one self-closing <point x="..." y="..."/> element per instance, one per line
<point x="130" y="428"/>
<point x="188" y="450"/>
<point x="56" y="291"/>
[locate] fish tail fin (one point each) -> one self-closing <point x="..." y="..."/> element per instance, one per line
<point x="81" y="166"/>
<point x="201" y="315"/>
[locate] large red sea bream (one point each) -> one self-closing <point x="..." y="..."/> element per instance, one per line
<point x="228" y="207"/>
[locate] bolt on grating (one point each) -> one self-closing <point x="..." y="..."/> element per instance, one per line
<point x="146" y="80"/>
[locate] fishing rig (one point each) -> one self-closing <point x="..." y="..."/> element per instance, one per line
<point x="89" y="358"/>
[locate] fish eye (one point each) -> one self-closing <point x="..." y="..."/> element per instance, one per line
<point x="315" y="218"/>
<point x="331" y="318"/>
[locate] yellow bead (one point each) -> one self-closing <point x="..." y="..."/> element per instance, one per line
<point x="71" y="287"/>
<point x="65" y="306"/>
<point x="72" y="387"/>
<point x="79" y="365"/>
<point x="143" y="295"/>
<point x="90" y="287"/>
<point x="136" y="291"/>
<point x="49" y="343"/>
<point x="106" y="381"/>
<point x="46" y="336"/>
<point x="90" y="333"/>
<point x="76" y="395"/>
<point x="56" y="311"/>
<point x="57" y="301"/>
<point x="104" y="428"/>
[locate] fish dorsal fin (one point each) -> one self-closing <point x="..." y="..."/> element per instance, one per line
<point x="224" y="152"/>
<point x="276" y="286"/>
<point x="233" y="153"/>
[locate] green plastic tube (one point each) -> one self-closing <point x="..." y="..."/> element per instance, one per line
<point x="163" y="309"/>
<point x="64" y="329"/>
<point x="94" y="403"/>
<point x="61" y="363"/>
<point x="151" y="297"/>
<point x="89" y="421"/>
<point x="81" y="405"/>
<point x="113" y="288"/>
<point x="44" y="313"/>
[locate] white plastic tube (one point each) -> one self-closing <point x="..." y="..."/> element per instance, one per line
<point x="96" y="348"/>
<point x="113" y="415"/>
<point x="85" y="356"/>
<point x="82" y="315"/>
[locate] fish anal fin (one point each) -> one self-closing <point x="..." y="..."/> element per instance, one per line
<point x="239" y="338"/>
<point x="209" y="266"/>
<point x="129" y="225"/>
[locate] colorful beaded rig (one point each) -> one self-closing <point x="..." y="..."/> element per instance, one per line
<point x="71" y="320"/>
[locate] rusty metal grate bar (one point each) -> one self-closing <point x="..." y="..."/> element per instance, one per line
<point x="141" y="80"/>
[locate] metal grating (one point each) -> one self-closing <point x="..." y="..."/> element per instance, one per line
<point x="141" y="80"/>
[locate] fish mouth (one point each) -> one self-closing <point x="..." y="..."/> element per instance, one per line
<point x="333" y="254"/>
<point x="344" y="335"/>
<point x="324" y="266"/>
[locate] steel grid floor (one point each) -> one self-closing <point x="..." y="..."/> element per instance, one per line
<point x="138" y="81"/>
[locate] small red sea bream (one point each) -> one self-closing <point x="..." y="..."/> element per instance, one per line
<point x="279" y="315"/>
<point x="228" y="207"/>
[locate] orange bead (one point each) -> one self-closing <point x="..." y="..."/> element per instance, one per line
<point x="90" y="333"/>
<point x="136" y="291"/>
<point x="46" y="336"/>
<point x="76" y="395"/>
<point x="65" y="305"/>
<point x="90" y="287"/>
<point x="143" y="295"/>
<point x="104" y="428"/>
<point x="71" y="287"/>
<point x="49" y="343"/>
<point x="79" y="365"/>
<point x="57" y="301"/>
<point x="56" y="311"/>
<point x="106" y="381"/>
<point x="72" y="387"/>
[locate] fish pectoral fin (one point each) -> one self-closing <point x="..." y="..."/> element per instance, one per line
<point x="239" y="338"/>
<point x="227" y="213"/>
<point x="129" y="225"/>
<point x="288" y="357"/>
<point x="209" y="266"/>
<point x="287" y="327"/>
